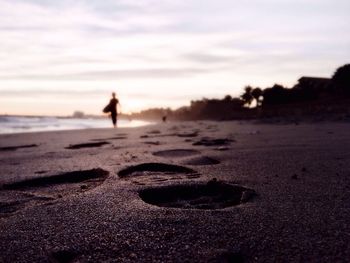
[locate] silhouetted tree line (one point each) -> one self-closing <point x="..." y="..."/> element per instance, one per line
<point x="309" y="95"/>
<point x="226" y="108"/>
<point x="307" y="89"/>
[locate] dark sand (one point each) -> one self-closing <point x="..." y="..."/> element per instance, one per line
<point x="281" y="194"/>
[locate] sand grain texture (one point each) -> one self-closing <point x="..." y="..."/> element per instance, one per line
<point x="281" y="194"/>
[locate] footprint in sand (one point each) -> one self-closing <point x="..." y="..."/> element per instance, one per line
<point x="111" y="138"/>
<point x="14" y="148"/>
<point x="154" y="132"/>
<point x="176" y="153"/>
<point x="174" y="128"/>
<point x="86" y="145"/>
<point x="206" y="141"/>
<point x="157" y="135"/>
<point x="212" y="195"/>
<point x="201" y="160"/>
<point x="212" y="127"/>
<point x="152" y="142"/>
<point x="188" y="135"/>
<point x="153" y="173"/>
<point x="40" y="190"/>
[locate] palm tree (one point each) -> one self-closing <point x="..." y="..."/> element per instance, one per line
<point x="247" y="96"/>
<point x="257" y="94"/>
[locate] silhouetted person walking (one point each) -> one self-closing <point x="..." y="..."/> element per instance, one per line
<point x="112" y="108"/>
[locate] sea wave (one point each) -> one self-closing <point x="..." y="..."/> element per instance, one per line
<point x="20" y="124"/>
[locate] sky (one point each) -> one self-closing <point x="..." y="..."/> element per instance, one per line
<point x="57" y="57"/>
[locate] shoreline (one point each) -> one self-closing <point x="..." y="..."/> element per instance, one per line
<point x="105" y="122"/>
<point x="12" y="125"/>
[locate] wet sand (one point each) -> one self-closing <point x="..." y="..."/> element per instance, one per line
<point x="177" y="192"/>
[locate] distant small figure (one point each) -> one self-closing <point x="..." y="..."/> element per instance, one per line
<point x="112" y="108"/>
<point x="164" y="119"/>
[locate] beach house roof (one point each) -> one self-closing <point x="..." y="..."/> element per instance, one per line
<point x="314" y="82"/>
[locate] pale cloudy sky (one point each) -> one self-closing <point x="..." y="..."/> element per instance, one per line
<point x="61" y="56"/>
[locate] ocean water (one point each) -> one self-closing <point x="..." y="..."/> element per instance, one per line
<point x="12" y="124"/>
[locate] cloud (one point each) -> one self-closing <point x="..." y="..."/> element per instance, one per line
<point x="209" y="58"/>
<point x="192" y="46"/>
<point x="111" y="74"/>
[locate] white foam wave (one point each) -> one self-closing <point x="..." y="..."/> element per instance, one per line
<point x="15" y="124"/>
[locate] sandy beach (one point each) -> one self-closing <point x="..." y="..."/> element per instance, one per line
<point x="177" y="192"/>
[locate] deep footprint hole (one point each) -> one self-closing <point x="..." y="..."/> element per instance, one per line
<point x="86" y="145"/>
<point x="176" y="153"/>
<point x="14" y="148"/>
<point x="213" y="142"/>
<point x="154" y="167"/>
<point x="213" y="195"/>
<point x="202" y="160"/>
<point x="64" y="178"/>
<point x="110" y="138"/>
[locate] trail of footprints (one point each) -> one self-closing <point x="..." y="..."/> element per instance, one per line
<point x="212" y="195"/>
<point x="43" y="190"/>
<point x="156" y="173"/>
<point x="46" y="189"/>
<point x="153" y="178"/>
